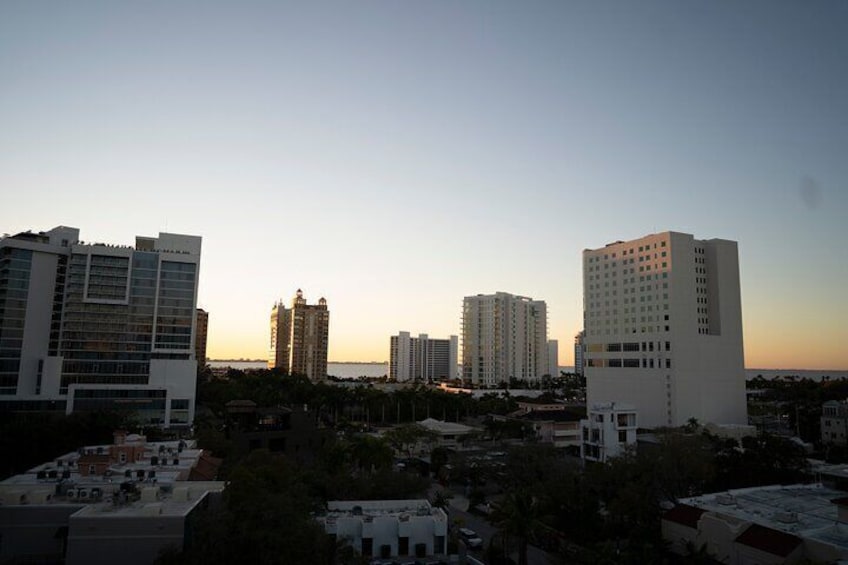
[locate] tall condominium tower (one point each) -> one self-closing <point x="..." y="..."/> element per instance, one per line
<point x="503" y="337"/>
<point x="579" y="346"/>
<point x="553" y="358"/>
<point x="97" y="326"/>
<point x="200" y="334"/>
<point x="299" y="337"/>
<point x="422" y="359"/>
<point x="663" y="329"/>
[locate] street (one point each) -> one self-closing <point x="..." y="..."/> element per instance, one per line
<point x="460" y="517"/>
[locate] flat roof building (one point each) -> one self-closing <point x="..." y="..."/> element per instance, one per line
<point x="772" y="524"/>
<point x="117" y="503"/>
<point x="663" y="329"/>
<point x="388" y="528"/>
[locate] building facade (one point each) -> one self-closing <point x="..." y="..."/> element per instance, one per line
<point x="578" y="352"/>
<point x="96" y="326"/>
<point x="768" y="524"/>
<point x="607" y="431"/>
<point x="118" y="503"/>
<point x="422" y="359"/>
<point x="663" y="329"/>
<point x="504" y="337"/>
<point x="834" y="422"/>
<point x="300" y="337"/>
<point x="388" y="528"/>
<point x="201" y="331"/>
<point x="553" y="358"/>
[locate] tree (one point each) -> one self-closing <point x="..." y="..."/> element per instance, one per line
<point x="516" y="515"/>
<point x="405" y="437"/>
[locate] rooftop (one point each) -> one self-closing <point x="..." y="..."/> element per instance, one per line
<point x="383" y="508"/>
<point x="806" y="511"/>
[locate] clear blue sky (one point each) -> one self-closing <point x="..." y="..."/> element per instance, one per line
<point x="397" y="156"/>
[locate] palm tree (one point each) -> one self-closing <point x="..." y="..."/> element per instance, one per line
<point x="516" y="515"/>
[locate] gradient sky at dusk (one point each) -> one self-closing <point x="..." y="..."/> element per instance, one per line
<point x="394" y="157"/>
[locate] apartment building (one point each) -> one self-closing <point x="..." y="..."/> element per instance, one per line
<point x="579" y="346"/>
<point x="201" y="332"/>
<point x="422" y="359"/>
<point x="88" y="326"/>
<point x="607" y="431"/>
<point x="663" y="325"/>
<point x="504" y="336"/>
<point x="834" y="422"/>
<point x="300" y="337"/>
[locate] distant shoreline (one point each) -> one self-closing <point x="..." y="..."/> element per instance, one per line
<point x="265" y="361"/>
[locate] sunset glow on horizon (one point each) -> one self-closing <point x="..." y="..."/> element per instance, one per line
<point x="396" y="157"/>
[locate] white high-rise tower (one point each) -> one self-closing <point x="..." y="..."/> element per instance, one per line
<point x="663" y="329"/>
<point x="503" y="337"/>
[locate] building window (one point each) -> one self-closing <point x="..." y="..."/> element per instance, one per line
<point x="367" y="547"/>
<point x="403" y="546"/>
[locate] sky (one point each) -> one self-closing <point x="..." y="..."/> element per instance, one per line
<point x="394" y="157"/>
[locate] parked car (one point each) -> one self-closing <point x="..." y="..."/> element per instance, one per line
<point x="471" y="538"/>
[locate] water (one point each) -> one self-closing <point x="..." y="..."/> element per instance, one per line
<point x="356" y="370"/>
<point x="340" y="370"/>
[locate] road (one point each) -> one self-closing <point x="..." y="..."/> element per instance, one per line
<point x="458" y="513"/>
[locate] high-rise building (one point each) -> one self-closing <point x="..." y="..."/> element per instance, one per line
<point x="663" y="329"/>
<point x="578" y="352"/>
<point x="553" y="358"/>
<point x="422" y="359"/>
<point x="202" y="329"/>
<point x="503" y="337"/>
<point x="299" y="337"/>
<point x="89" y="326"/>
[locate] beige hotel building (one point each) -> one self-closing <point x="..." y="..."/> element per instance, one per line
<point x="663" y="329"/>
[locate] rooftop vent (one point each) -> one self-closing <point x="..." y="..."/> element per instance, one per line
<point x="725" y="499"/>
<point x="786" y="517"/>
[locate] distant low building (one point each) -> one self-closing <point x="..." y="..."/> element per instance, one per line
<point x="449" y="434"/>
<point x="772" y="524"/>
<point x="388" y="528"/>
<point x="608" y="430"/>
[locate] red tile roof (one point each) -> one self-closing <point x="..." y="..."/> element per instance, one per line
<point x="685" y="515"/>
<point x="206" y="468"/>
<point x="769" y="540"/>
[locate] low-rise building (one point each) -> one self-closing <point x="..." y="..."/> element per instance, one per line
<point x="608" y="430"/>
<point x="554" y="423"/>
<point x="388" y="528"/>
<point x="291" y="431"/>
<point x="772" y="524"/>
<point x="449" y="434"/>
<point x="834" y="422"/>
<point x="118" y="503"/>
